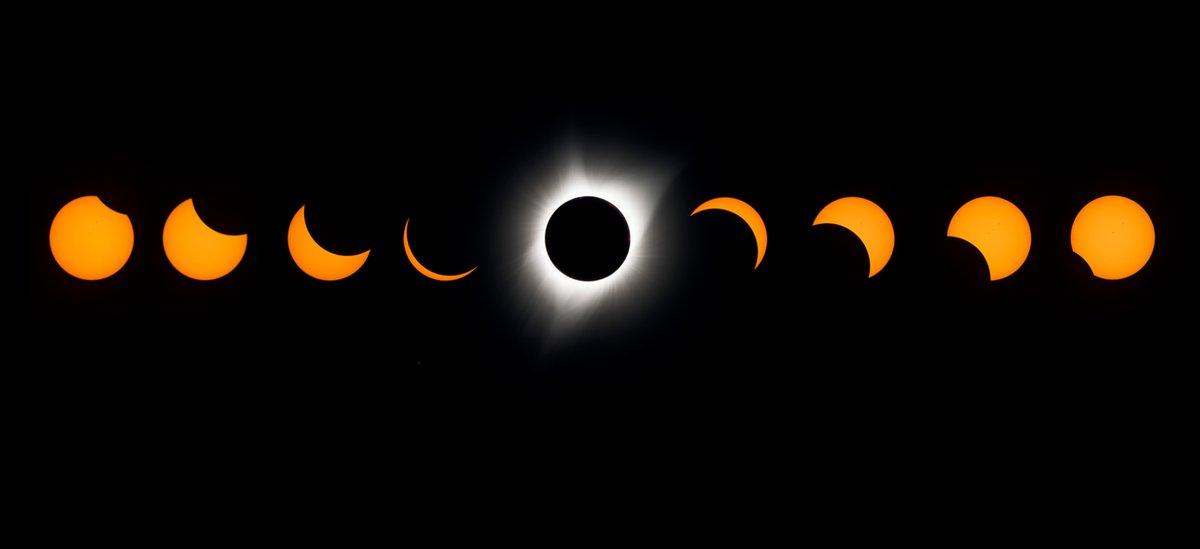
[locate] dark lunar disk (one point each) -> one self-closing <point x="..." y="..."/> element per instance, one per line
<point x="587" y="238"/>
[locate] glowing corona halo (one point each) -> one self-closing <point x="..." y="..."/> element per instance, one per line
<point x="636" y="204"/>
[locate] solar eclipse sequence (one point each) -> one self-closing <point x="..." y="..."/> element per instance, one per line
<point x="872" y="266"/>
<point x="588" y="238"/>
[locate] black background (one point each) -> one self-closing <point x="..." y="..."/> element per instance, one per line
<point x="802" y="359"/>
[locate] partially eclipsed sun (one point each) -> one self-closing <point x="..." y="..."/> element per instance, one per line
<point x="316" y="261"/>
<point x="1114" y="235"/>
<point x="424" y="270"/>
<point x="998" y="229"/>
<point x="748" y="214"/>
<point x="89" y="240"/>
<point x="196" y="250"/>
<point x="868" y="222"/>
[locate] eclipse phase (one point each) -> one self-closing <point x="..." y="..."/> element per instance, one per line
<point x="998" y="229"/>
<point x="197" y="251"/>
<point x="89" y="240"/>
<point x="748" y="214"/>
<point x="412" y="258"/>
<point x="587" y="238"/>
<point x="868" y="222"/>
<point x="316" y="261"/>
<point x="564" y="303"/>
<point x="1114" y="235"/>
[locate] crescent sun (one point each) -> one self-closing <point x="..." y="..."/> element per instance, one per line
<point x="868" y="222"/>
<point x="195" y="249"/>
<point x="316" y="261"/>
<point x="421" y="268"/>
<point x="748" y="214"/>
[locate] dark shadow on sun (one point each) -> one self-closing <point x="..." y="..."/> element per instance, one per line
<point x="587" y="238"/>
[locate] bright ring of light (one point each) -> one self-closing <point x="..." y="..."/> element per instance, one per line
<point x="635" y="203"/>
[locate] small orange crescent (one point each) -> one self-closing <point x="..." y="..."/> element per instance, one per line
<point x="421" y="268"/>
<point x="747" y="213"/>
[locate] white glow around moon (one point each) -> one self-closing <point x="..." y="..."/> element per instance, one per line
<point x="562" y="300"/>
<point x="619" y="194"/>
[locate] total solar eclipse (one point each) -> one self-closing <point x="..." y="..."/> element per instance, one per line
<point x="587" y="238"/>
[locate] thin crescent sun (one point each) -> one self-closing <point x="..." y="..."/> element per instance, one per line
<point x="195" y="249"/>
<point x="316" y="261"/>
<point x="748" y="214"/>
<point x="422" y="269"/>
